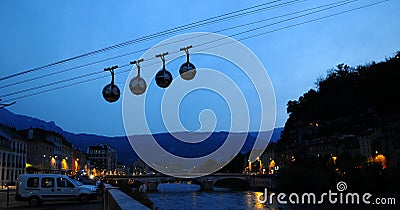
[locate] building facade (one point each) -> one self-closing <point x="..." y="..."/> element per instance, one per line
<point x="374" y="145"/>
<point x="103" y="159"/>
<point x="48" y="151"/>
<point x="13" y="152"/>
<point x="122" y="170"/>
<point x="66" y="156"/>
<point x="80" y="163"/>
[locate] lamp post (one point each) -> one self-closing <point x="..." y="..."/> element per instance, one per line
<point x="44" y="164"/>
<point x="260" y="165"/>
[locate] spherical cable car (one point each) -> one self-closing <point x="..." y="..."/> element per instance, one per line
<point x="137" y="85"/>
<point x="187" y="70"/>
<point x="111" y="92"/>
<point x="163" y="77"/>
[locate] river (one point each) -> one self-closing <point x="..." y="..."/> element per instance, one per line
<point x="208" y="200"/>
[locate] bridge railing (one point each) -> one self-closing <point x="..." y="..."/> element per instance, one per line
<point x="115" y="199"/>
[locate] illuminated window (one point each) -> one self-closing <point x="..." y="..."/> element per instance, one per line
<point x="47" y="182"/>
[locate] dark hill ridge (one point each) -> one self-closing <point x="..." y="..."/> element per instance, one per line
<point x="348" y="128"/>
<point x="121" y="144"/>
<point x="347" y="101"/>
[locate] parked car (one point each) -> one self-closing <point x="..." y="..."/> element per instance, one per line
<point x="37" y="188"/>
<point x="83" y="180"/>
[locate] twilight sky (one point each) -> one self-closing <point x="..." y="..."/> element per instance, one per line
<point x="36" y="33"/>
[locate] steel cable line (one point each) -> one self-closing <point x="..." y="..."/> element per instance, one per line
<point x="152" y="36"/>
<point x="243" y="32"/>
<point x="302" y="23"/>
<point x="142" y="40"/>
<point x="94" y="73"/>
<point x="245" y="38"/>
<point x="143" y="50"/>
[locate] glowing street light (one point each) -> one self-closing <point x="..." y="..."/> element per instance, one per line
<point x="334" y="159"/>
<point x="260" y="164"/>
<point x="249" y="165"/>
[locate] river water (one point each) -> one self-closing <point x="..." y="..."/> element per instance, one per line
<point x="208" y="200"/>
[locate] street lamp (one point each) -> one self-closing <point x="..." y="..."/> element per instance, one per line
<point x="334" y="158"/>
<point x="43" y="163"/>
<point x="260" y="164"/>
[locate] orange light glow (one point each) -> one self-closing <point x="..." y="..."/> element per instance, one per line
<point x="334" y="158"/>
<point x="64" y="164"/>
<point x="381" y="159"/>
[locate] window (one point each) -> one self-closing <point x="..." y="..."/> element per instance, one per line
<point x="63" y="182"/>
<point x="47" y="182"/>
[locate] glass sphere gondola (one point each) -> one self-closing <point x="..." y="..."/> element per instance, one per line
<point x="111" y="93"/>
<point x="187" y="71"/>
<point x="163" y="78"/>
<point x="138" y="85"/>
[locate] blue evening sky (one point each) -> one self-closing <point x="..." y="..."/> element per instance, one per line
<point x="35" y="33"/>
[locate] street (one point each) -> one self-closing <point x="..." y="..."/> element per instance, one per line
<point x="55" y="205"/>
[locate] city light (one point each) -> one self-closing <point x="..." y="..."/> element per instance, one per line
<point x="271" y="167"/>
<point x="334" y="159"/>
<point x="260" y="165"/>
<point x="380" y="159"/>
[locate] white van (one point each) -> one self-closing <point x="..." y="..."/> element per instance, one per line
<point x="37" y="188"/>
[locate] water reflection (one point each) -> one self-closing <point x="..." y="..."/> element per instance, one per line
<point x="209" y="200"/>
<point x="255" y="195"/>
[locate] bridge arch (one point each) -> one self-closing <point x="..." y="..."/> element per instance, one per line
<point x="193" y="181"/>
<point x="233" y="183"/>
<point x="135" y="183"/>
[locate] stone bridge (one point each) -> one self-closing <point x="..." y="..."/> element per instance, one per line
<point x="233" y="180"/>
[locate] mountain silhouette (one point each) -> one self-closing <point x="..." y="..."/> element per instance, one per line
<point x="125" y="153"/>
